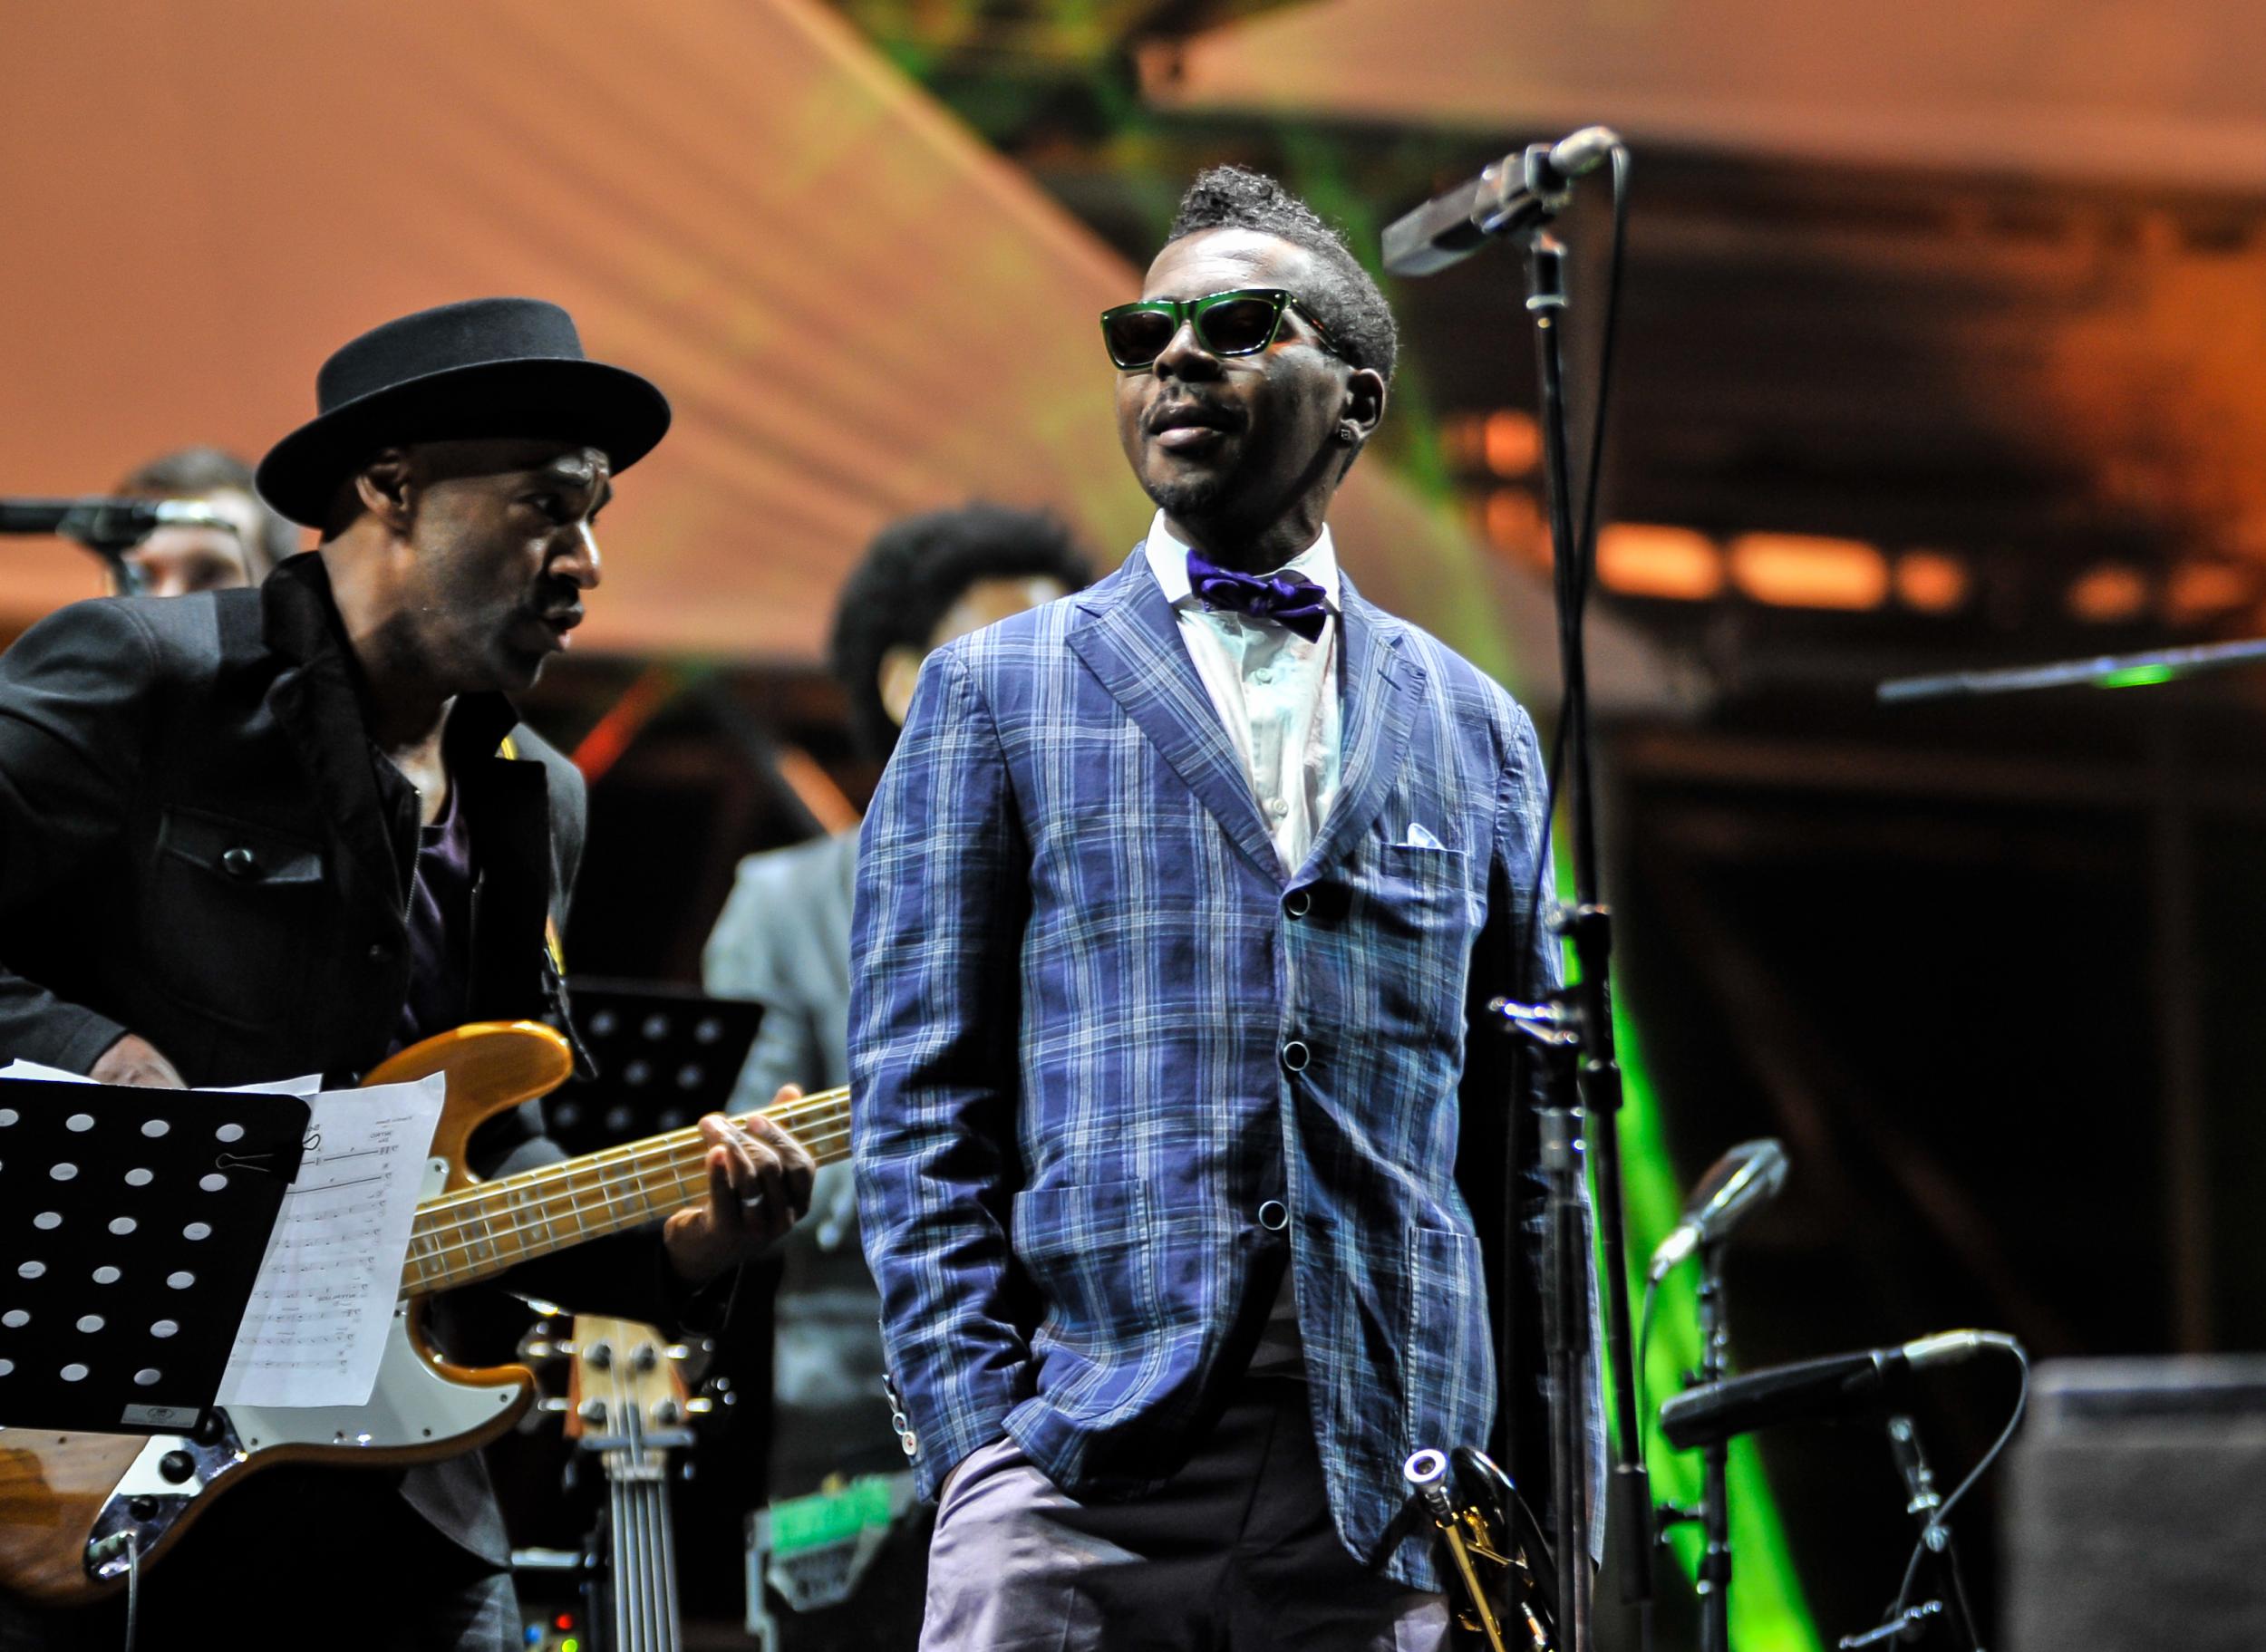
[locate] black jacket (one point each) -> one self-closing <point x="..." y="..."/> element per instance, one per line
<point x="199" y="844"/>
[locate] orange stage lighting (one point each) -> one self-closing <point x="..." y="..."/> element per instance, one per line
<point x="1640" y="559"/>
<point x="2204" y="590"/>
<point x="1512" y="519"/>
<point x="1932" y="582"/>
<point x="1511" y="443"/>
<point x="1804" y="571"/>
<point x="2108" y="594"/>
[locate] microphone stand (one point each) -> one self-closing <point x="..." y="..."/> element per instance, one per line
<point x="107" y="527"/>
<point x="1585" y="1090"/>
<point x="1715" y="1505"/>
<point x="1912" y="1463"/>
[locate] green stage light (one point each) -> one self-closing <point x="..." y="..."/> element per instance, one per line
<point x="2138" y="677"/>
<point x="1768" y="1612"/>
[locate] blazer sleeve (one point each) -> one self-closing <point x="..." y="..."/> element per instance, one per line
<point x="942" y="896"/>
<point x="74" y="707"/>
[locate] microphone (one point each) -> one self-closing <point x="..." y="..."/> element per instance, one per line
<point x="1747" y="1177"/>
<point x="1522" y="189"/>
<point x="1814" y="1390"/>
<point x="102" y="522"/>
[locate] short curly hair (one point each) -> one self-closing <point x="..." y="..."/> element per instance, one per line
<point x="915" y="570"/>
<point x="1348" y="303"/>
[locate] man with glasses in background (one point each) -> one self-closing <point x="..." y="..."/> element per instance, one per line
<point x="1170" y="909"/>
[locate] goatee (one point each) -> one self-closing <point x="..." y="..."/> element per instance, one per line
<point x="1185" y="497"/>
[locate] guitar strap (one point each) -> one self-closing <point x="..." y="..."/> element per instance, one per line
<point x="509" y="751"/>
<point x="554" y="962"/>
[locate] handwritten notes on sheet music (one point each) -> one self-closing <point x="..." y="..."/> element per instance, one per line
<point x="316" y="1328"/>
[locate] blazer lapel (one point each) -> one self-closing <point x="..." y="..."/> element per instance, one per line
<point x="1129" y="638"/>
<point x="314" y="702"/>
<point x="1382" y="688"/>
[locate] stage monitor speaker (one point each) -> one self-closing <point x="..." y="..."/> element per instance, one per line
<point x="2137" y="1519"/>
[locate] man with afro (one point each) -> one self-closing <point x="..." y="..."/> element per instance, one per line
<point x="784" y="941"/>
<point x="1172" y="908"/>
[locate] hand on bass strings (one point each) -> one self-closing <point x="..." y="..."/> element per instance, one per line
<point x="759" y="1186"/>
<point x="135" y="1060"/>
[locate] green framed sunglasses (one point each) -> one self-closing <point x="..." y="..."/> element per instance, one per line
<point x="1243" y="321"/>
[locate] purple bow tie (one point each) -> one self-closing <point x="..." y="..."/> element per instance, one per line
<point x="1285" y="598"/>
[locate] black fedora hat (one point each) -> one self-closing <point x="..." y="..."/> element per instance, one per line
<point x="485" y="367"/>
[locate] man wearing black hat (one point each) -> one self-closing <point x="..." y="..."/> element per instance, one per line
<point x="250" y="833"/>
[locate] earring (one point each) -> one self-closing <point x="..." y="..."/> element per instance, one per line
<point x="1346" y="432"/>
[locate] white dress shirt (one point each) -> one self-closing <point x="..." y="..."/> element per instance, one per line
<point x="1277" y="697"/>
<point x="1275" y="692"/>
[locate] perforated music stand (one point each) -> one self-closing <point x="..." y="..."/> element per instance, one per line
<point x="664" y="1055"/>
<point x="132" y="1223"/>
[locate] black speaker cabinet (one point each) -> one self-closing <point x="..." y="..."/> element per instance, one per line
<point x="2137" y="1513"/>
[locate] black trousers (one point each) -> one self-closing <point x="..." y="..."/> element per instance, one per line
<point x="297" y="1557"/>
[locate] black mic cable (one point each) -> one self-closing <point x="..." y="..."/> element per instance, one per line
<point x="1930" y="1534"/>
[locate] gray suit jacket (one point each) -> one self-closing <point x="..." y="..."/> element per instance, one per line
<point x="784" y="941"/>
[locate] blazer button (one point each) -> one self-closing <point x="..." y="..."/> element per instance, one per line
<point x="240" y="862"/>
<point x="1295" y="1056"/>
<point x="377" y="951"/>
<point x="1298" y="902"/>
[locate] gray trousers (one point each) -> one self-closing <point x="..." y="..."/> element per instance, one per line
<point x="1237" y="1553"/>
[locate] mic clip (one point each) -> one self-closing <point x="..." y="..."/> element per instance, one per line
<point x="1547" y="1026"/>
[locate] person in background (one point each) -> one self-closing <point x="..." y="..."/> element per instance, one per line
<point x="177" y="561"/>
<point x="783" y="938"/>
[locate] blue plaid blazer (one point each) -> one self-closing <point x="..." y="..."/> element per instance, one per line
<point x="1094" y="1028"/>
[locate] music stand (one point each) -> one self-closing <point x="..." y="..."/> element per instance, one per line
<point x="664" y="1055"/>
<point x="133" y="1225"/>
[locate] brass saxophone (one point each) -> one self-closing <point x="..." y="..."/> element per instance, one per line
<point x="1492" y="1545"/>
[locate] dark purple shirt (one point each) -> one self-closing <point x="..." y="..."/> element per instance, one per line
<point x="440" y="929"/>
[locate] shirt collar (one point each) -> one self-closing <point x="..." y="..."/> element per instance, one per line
<point x="1168" y="561"/>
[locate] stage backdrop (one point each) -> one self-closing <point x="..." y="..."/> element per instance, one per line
<point x="856" y="307"/>
<point x="2163" y="93"/>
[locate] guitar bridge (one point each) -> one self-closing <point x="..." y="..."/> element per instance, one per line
<point x="156" y="1494"/>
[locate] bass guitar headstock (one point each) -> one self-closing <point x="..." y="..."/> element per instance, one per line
<point x="625" y="1389"/>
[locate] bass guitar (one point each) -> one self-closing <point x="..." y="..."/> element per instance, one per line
<point x="79" y="1511"/>
<point x="627" y="1405"/>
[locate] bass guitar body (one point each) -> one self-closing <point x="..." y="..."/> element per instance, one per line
<point x="77" y="1509"/>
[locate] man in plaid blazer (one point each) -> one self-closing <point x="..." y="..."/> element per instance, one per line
<point x="1172" y="909"/>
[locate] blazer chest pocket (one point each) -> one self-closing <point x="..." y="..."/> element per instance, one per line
<point x="1424" y="891"/>
<point x="234" y="910"/>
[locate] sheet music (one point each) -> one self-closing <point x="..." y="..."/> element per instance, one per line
<point x="316" y="1326"/>
<point x="315" y="1329"/>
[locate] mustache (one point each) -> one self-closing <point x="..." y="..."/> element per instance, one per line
<point x="557" y="603"/>
<point x="1185" y="410"/>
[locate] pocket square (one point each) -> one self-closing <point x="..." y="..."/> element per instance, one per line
<point x="1419" y="837"/>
